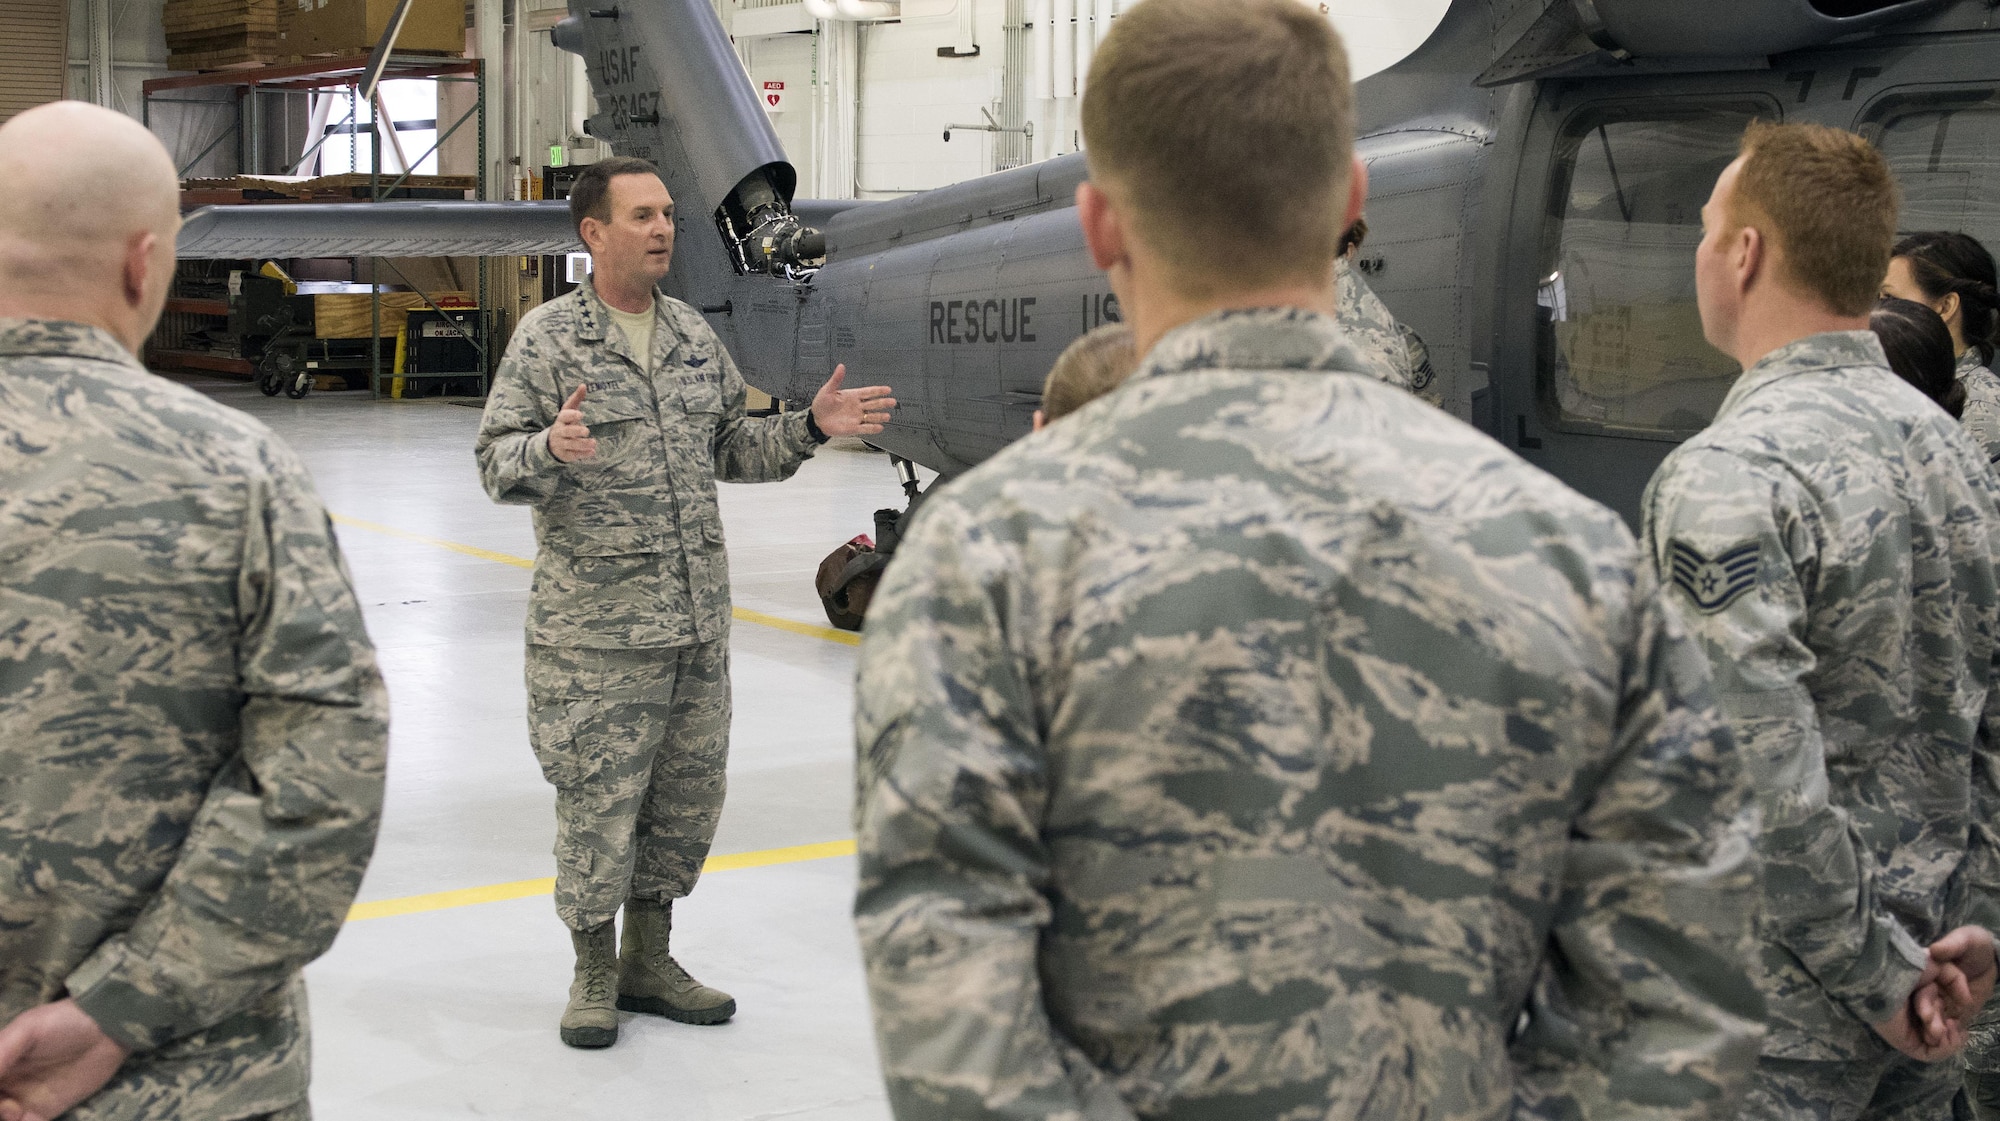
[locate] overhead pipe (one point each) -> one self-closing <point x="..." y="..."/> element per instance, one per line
<point x="1085" y="44"/>
<point x="1043" y="49"/>
<point x="1064" y="72"/>
<point x="823" y="10"/>
<point x="322" y="109"/>
<point x="385" y="125"/>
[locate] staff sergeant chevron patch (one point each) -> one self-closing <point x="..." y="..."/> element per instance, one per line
<point x="1714" y="583"/>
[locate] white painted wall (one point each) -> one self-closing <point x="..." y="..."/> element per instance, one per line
<point x="908" y="94"/>
<point x="791" y="59"/>
<point x="1380" y="33"/>
<point x="138" y="49"/>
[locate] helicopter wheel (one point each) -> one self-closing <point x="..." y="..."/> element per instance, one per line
<point x="277" y="371"/>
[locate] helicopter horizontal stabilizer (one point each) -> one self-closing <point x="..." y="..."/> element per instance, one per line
<point x="383" y="229"/>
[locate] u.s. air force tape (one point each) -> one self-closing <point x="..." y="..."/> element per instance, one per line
<point x="1713" y="583"/>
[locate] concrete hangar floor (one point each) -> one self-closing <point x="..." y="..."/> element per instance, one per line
<point x="441" y="995"/>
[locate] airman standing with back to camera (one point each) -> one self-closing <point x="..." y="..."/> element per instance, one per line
<point x="613" y="414"/>
<point x="1398" y="352"/>
<point x="1097" y="362"/>
<point x="1831" y="539"/>
<point x="193" y="729"/>
<point x="1954" y="275"/>
<point x="1260" y="742"/>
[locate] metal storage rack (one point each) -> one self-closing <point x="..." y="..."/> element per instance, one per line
<point x="253" y="88"/>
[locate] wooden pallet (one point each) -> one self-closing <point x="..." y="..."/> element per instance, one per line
<point x="223" y="34"/>
<point x="234" y="17"/>
<point x="205" y="43"/>
<point x="234" y="58"/>
<point x="224" y="25"/>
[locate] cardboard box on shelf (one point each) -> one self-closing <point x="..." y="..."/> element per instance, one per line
<point x="354" y="26"/>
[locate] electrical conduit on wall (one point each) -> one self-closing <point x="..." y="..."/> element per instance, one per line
<point x="1063" y="19"/>
<point x="1085" y="43"/>
<point x="1043" y="49"/>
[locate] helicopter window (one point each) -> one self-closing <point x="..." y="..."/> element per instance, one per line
<point x="1620" y="344"/>
<point x="1945" y="148"/>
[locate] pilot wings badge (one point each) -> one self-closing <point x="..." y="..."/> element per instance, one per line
<point x="1714" y="583"/>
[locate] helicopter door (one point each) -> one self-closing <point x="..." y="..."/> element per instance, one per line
<point x="1606" y="366"/>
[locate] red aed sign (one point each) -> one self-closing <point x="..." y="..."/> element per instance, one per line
<point x="774" y="96"/>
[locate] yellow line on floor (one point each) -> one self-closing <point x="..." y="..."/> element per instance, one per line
<point x="438" y="542"/>
<point x="523" y="889"/>
<point x="845" y="638"/>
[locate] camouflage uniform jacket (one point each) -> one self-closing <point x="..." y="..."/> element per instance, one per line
<point x="1244" y="746"/>
<point x="1830" y="539"/>
<point x="192" y="727"/>
<point x="1982" y="403"/>
<point x="629" y="543"/>
<point x="1374" y="332"/>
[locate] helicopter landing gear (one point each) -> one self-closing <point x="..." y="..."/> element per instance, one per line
<point x="848" y="576"/>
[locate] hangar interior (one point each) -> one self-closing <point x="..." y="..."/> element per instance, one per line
<point x="1563" y="321"/>
<point x="909" y="96"/>
<point x="440" y="997"/>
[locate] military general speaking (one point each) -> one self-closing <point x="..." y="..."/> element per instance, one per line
<point x="1456" y="576"/>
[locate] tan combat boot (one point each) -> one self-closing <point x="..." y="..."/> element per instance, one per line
<point x="591" y="1017"/>
<point x="650" y="980"/>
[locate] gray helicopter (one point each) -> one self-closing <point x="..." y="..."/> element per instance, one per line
<point x="1537" y="172"/>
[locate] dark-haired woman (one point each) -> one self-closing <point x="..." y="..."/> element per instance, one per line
<point x="1954" y="275"/>
<point x="1920" y="350"/>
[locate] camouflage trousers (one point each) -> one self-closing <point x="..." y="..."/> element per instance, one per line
<point x="1981" y="1100"/>
<point x="1982" y="1067"/>
<point x="636" y="743"/>
<point x="1891" y="1087"/>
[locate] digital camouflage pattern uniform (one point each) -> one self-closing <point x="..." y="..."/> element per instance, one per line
<point x="1830" y="539"/>
<point x="1422" y="373"/>
<point x="1982" y="421"/>
<point x="628" y="616"/>
<point x="192" y="728"/>
<point x="1982" y="403"/>
<point x="1261" y="742"/>
<point x="1373" y="331"/>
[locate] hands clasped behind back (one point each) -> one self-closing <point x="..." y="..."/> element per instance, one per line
<point x="1933" y="1024"/>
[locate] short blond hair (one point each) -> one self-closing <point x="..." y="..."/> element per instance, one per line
<point x="1828" y="200"/>
<point x="1227" y="129"/>
<point x="1087" y="369"/>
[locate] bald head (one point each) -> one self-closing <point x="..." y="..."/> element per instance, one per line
<point x="93" y="206"/>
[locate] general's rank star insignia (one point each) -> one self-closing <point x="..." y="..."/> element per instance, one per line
<point x="1713" y="583"/>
